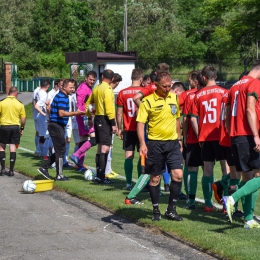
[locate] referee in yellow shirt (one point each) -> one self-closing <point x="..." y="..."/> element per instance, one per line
<point x="104" y="121"/>
<point x="161" y="111"/>
<point x="12" y="121"/>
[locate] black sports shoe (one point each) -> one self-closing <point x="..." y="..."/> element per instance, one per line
<point x="257" y="219"/>
<point x="133" y="201"/>
<point x="156" y="215"/>
<point x="182" y="196"/>
<point x="2" y="173"/>
<point x="173" y="215"/>
<point x="62" y="178"/>
<point x="10" y="174"/>
<point x="238" y="214"/>
<point x="106" y="181"/>
<point x="232" y="189"/>
<point x="44" y="172"/>
<point x="190" y="207"/>
<point x="103" y="181"/>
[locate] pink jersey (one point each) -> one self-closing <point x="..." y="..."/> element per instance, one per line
<point x="82" y="94"/>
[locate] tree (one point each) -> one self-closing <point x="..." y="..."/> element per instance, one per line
<point x="15" y="20"/>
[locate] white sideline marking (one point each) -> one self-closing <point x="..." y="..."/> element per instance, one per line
<point x="127" y="238"/>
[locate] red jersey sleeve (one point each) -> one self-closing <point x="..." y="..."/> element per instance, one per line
<point x="148" y="90"/>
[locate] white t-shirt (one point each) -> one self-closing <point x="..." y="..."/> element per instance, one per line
<point x="35" y="112"/>
<point x="52" y="94"/>
<point x="41" y="97"/>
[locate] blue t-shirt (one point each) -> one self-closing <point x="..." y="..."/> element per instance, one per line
<point x="59" y="102"/>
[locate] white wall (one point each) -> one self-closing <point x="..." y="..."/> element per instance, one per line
<point x="122" y="68"/>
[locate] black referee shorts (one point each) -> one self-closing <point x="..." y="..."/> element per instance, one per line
<point x="10" y="134"/>
<point x="161" y="152"/>
<point x="103" y="130"/>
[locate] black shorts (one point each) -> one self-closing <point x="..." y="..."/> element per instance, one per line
<point x="211" y="151"/>
<point x="103" y="130"/>
<point x="161" y="152"/>
<point x="193" y="155"/>
<point x="228" y="153"/>
<point x="246" y="159"/>
<point x="10" y="134"/>
<point x="130" y="141"/>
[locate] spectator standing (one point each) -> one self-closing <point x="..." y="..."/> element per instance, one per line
<point x="59" y="116"/>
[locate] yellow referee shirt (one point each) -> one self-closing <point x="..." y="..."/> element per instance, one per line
<point x="103" y="97"/>
<point x="161" y="115"/>
<point x="11" y="111"/>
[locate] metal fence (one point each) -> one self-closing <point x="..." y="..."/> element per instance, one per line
<point x="29" y="85"/>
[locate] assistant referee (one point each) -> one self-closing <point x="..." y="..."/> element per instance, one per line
<point x="104" y="121"/>
<point x="162" y="112"/>
<point x="12" y="120"/>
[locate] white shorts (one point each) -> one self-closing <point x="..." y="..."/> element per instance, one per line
<point x="76" y="136"/>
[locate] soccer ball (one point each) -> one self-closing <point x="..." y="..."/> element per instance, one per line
<point x="92" y="108"/>
<point x="89" y="175"/>
<point x="29" y="186"/>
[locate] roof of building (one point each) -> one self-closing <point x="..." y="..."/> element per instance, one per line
<point x="94" y="56"/>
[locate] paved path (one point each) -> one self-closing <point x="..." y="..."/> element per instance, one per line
<point x="55" y="225"/>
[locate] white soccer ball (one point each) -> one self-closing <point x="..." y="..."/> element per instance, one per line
<point x="29" y="186"/>
<point x="89" y="175"/>
<point x="92" y="108"/>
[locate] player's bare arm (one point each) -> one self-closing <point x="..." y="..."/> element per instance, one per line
<point x="140" y="133"/>
<point x="184" y="129"/>
<point x="252" y="120"/>
<point x="138" y="98"/>
<point x="228" y="117"/>
<point x="63" y="113"/>
<point x="119" y="114"/>
<point x="194" y="124"/>
<point x="39" y="109"/>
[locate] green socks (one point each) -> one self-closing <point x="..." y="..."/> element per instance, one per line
<point x="250" y="187"/>
<point x="192" y="183"/>
<point x="207" y="190"/>
<point x="140" y="184"/>
<point x="185" y="178"/>
<point x="128" y="167"/>
<point x="225" y="180"/>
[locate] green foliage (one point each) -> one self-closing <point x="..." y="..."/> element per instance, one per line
<point x="177" y="32"/>
<point x="27" y="60"/>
